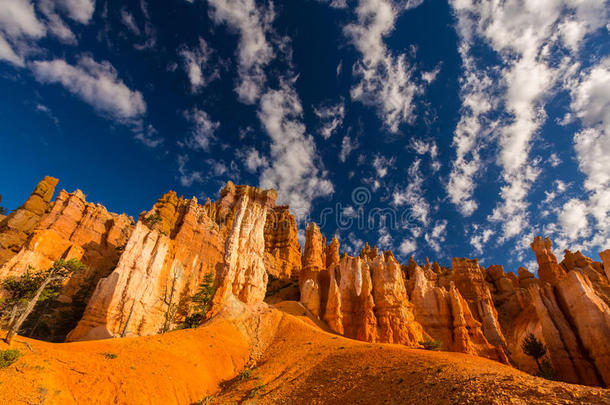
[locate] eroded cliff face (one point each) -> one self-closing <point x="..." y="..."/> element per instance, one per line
<point x="145" y="275"/>
<point x="73" y="228"/>
<point x="173" y="247"/>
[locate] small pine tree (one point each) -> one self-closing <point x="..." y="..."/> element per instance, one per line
<point x="3" y="210"/>
<point x="536" y="349"/>
<point x="202" y="300"/>
<point x="533" y="348"/>
<point x="29" y="289"/>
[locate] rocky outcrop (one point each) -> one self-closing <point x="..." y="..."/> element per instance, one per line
<point x="548" y="269"/>
<point x="74" y="228"/>
<point x="171" y="249"/>
<point x="469" y="279"/>
<point x="148" y="273"/>
<point x="18" y="226"/>
<point x="173" y="246"/>
<point x="243" y="273"/>
<point x="445" y="315"/>
<point x="360" y="297"/>
<point x="282" y="248"/>
<point x="605" y="256"/>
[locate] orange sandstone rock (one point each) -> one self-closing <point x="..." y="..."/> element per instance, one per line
<point x="548" y="269"/>
<point x="17" y="226"/>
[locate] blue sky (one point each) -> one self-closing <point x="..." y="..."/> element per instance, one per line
<point x="475" y="125"/>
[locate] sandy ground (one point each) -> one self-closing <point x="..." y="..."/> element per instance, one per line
<point x="302" y="365"/>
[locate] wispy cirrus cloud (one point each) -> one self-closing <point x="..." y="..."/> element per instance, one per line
<point x="252" y="22"/>
<point x="385" y="81"/>
<point x="197" y="65"/>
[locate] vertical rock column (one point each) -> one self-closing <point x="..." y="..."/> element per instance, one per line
<point x="313" y="262"/>
<point x="243" y="274"/>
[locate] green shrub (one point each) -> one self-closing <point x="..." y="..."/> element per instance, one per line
<point x="152" y="220"/>
<point x="245" y="374"/>
<point x="255" y="390"/>
<point x="110" y="356"/>
<point x="201" y="302"/>
<point x="8" y="357"/>
<point x="431" y="344"/>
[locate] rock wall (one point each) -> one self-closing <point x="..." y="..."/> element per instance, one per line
<point x="73" y="228"/>
<point x="172" y="248"/>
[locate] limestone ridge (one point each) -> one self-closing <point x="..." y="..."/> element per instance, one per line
<point x="141" y="277"/>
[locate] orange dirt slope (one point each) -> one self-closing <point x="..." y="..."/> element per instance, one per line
<point x="301" y="365"/>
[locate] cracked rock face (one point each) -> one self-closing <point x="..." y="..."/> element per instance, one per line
<point x="172" y="248"/>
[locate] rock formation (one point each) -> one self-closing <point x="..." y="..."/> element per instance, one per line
<point x="172" y="248"/>
<point x="141" y="278"/>
<point x="73" y="228"/>
<point x="17" y="226"/>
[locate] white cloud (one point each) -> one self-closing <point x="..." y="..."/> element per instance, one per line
<point x="95" y="83"/>
<point x="524" y="36"/>
<point x="384" y="241"/>
<point x="381" y="165"/>
<point x="330" y="116"/>
<point x="8" y="54"/>
<point x="554" y="160"/>
<point x="573" y="219"/>
<point x="203" y="130"/>
<point x="335" y="3"/>
<point x="150" y="33"/>
<point x="412" y="196"/>
<point x="385" y="80"/>
<point x="436" y="237"/>
<point x="353" y="244"/>
<point x="18" y="19"/>
<point x="348" y="145"/>
<point x="55" y="24"/>
<point x="295" y="168"/>
<point x="479" y="240"/>
<point x="187" y="178"/>
<point x="349" y="212"/>
<point x="590" y="93"/>
<point x="254" y="161"/>
<point x="196" y="62"/>
<point x="294" y="171"/>
<point x="254" y="52"/>
<point x="149" y="136"/>
<point x="407" y="247"/>
<point x="422" y="147"/>
<point x="129" y="22"/>
<point x="78" y="10"/>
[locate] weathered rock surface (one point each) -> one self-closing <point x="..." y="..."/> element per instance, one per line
<point x="74" y="228"/>
<point x="18" y="226"/>
<point x="172" y="248"/>
<point x="359" y="297"/>
<point x="282" y="248"/>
